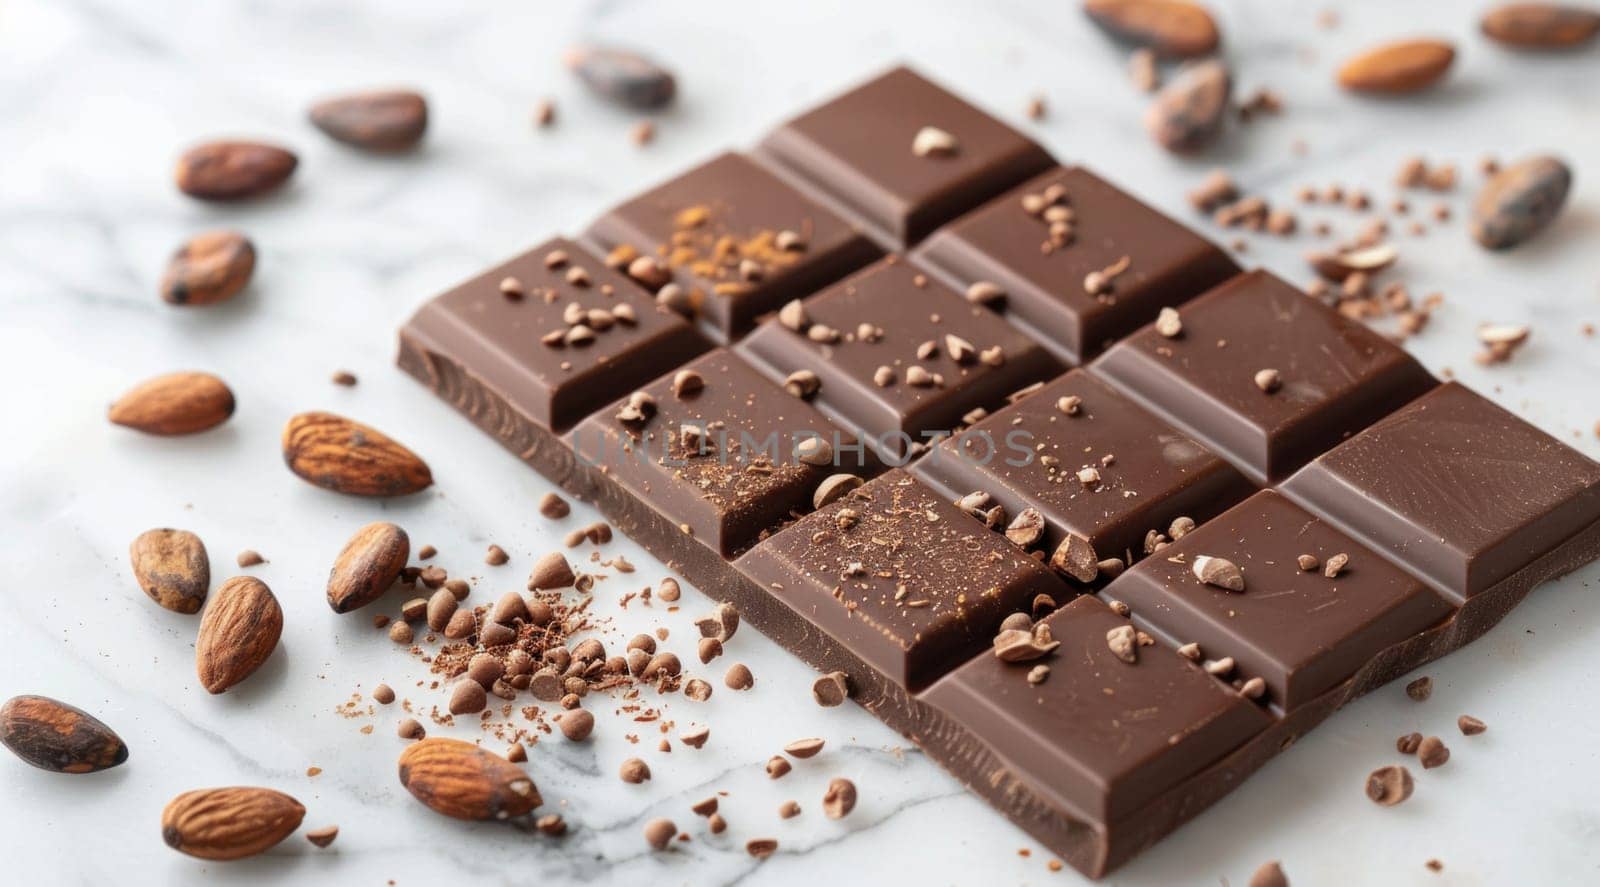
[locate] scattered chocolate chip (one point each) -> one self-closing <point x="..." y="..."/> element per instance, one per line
<point x="659" y="832"/>
<point x="739" y="677"/>
<point x="831" y="689"/>
<point x="468" y="698"/>
<point x="697" y="690"/>
<point x="401" y="633"/>
<point x="383" y="694"/>
<point x="777" y="766"/>
<point x="410" y="728"/>
<point x="496" y="556"/>
<point x="554" y="507"/>
<point x="551" y="571"/>
<point x="788" y="810"/>
<point x="635" y="771"/>
<point x="1420" y="689"/>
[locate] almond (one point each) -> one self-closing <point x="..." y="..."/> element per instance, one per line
<point x="177" y="403"/>
<point x="1366" y="260"/>
<point x="369" y="563"/>
<point x="346" y="456"/>
<point x="1395" y="68"/>
<point x="229" y="823"/>
<point x="233" y="170"/>
<point x="209" y="268"/>
<point x="1188" y="113"/>
<point x="379" y="120"/>
<point x="53" y="735"/>
<point x="1520" y="201"/>
<point x="1540" y="25"/>
<point x="239" y="630"/>
<point x="461" y="780"/>
<point x="172" y="567"/>
<point x="1173" y="28"/>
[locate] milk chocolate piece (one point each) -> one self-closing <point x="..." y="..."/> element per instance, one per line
<point x="900" y="577"/>
<point x="1008" y="243"/>
<point x="737" y="239"/>
<point x="1302" y="631"/>
<point x="1028" y="456"/>
<point x="719" y="459"/>
<point x="482" y="343"/>
<point x="1100" y="737"/>
<point x="1334" y="376"/>
<point x="1455" y="488"/>
<point x="860" y="153"/>
<point x="881" y="344"/>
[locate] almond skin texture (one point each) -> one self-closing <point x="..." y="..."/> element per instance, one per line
<point x="1398" y="68"/>
<point x="172" y="567"/>
<point x="461" y="780"/>
<point x="1173" y="28"/>
<point x="345" y="456"/>
<point x="229" y="823"/>
<point x="174" y="404"/>
<point x="209" y="268"/>
<point x="238" y="631"/>
<point x="1520" y="201"/>
<point x="55" y="736"/>
<point x="370" y="562"/>
<point x="1540" y="25"/>
<point x="1188" y="113"/>
<point x="230" y="170"/>
<point x="383" y="121"/>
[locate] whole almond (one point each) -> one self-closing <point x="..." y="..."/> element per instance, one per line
<point x="239" y="630"/>
<point x="1188" y="113"/>
<point x="174" y="404"/>
<point x="378" y="120"/>
<point x="172" y="568"/>
<point x="229" y="823"/>
<point x="624" y="77"/>
<point x="1173" y="28"/>
<point x="1540" y="25"/>
<point x="231" y="170"/>
<point x="1520" y="201"/>
<point x="461" y="780"/>
<point x="53" y="735"/>
<point x="1396" y="68"/>
<point x="209" y="268"/>
<point x="369" y="563"/>
<point x="346" y="456"/>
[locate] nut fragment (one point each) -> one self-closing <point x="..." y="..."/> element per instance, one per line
<point x="931" y="141"/>
<point x="839" y="799"/>
<point x="833" y="488"/>
<point x="1218" y="572"/>
<point x="1124" y="643"/>
<point x="1470" y="726"/>
<point x="1389" y="785"/>
<point x="831" y="689"/>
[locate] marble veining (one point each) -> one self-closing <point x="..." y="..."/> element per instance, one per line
<point x="99" y="96"/>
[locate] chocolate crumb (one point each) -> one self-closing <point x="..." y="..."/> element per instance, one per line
<point x="344" y="378"/>
<point x="716" y="824"/>
<point x="658" y="833"/>
<point x="250" y="558"/>
<point x="778" y="766"/>
<point x="410" y="728"/>
<point x="695" y="737"/>
<point x="383" y="694"/>
<point x="739" y="677"/>
<point x="496" y="556"/>
<point x="831" y="689"/>
<point x="554" y="507"/>
<point x="635" y="771"/>
<point x="788" y="810"/>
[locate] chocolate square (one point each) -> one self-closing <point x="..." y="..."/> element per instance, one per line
<point x="881" y="344"/>
<point x="1009" y="245"/>
<point x="900" y="577"/>
<point x="1298" y="629"/>
<point x="550" y="333"/>
<point x="1146" y="474"/>
<point x="856" y="152"/>
<point x="737" y="239"/>
<point x="720" y="459"/>
<point x="1456" y="488"/>
<point x="1098" y="737"/>
<point x="1334" y="375"/>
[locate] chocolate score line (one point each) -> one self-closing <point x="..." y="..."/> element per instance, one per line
<point x="700" y="440"/>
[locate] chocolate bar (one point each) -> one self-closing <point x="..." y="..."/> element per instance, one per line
<point x="1079" y="604"/>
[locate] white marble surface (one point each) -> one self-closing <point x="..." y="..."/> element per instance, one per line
<point x="98" y="96"/>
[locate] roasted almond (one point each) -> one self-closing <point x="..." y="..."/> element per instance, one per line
<point x="1520" y="201"/>
<point x="1540" y="25"/>
<point x="1188" y="113"/>
<point x="228" y="170"/>
<point x="460" y="779"/>
<point x="1366" y="260"/>
<point x="369" y="563"/>
<point x="1173" y="28"/>
<point x="209" y="268"/>
<point x="229" y="823"/>
<point x="239" y="630"/>
<point x="1395" y="68"/>
<point x="624" y="77"/>
<point x="53" y="735"/>
<point x="172" y="567"/>
<point x="346" y="456"/>
<point x="378" y="120"/>
<point x="177" y="403"/>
